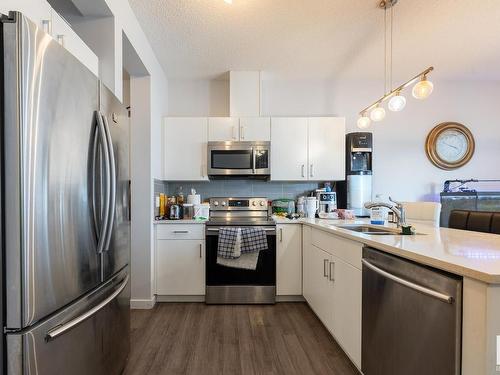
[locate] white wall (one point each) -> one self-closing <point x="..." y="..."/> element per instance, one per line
<point x="149" y="95"/>
<point x="198" y="98"/>
<point x="401" y="168"/>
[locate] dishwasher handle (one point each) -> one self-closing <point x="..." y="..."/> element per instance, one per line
<point x="409" y="284"/>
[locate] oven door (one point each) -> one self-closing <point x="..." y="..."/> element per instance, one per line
<point x="238" y="158"/>
<point x="233" y="285"/>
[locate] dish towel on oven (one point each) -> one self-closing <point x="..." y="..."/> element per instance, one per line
<point x="240" y="247"/>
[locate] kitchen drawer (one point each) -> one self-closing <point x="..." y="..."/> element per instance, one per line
<point x="180" y="231"/>
<point x="347" y="250"/>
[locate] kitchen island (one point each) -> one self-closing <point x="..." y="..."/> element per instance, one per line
<point x="473" y="256"/>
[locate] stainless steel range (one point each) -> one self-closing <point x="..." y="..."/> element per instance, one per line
<point x="225" y="285"/>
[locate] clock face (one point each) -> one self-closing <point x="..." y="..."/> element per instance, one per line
<point x="451" y="146"/>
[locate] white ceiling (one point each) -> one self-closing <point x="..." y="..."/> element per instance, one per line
<point x="318" y="39"/>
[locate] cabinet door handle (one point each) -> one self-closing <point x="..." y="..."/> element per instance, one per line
<point x="325" y="267"/>
<point x="181" y="231"/>
<point x="242" y="132"/>
<point x="47" y="26"/>
<point x="60" y="39"/>
<point x="281" y="234"/>
<point x="331" y="273"/>
<point x="303" y="168"/>
<point x="201" y="249"/>
<point x="311" y="171"/>
<point x="202" y="170"/>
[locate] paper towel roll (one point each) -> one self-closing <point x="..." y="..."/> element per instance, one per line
<point x="194" y="199"/>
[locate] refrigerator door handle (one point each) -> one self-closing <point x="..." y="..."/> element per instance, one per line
<point x="112" y="185"/>
<point x="105" y="205"/>
<point x="93" y="187"/>
<point x="60" y="330"/>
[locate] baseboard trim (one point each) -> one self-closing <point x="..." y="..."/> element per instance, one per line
<point x="290" y="299"/>
<point x="142" y="304"/>
<point x="180" y="298"/>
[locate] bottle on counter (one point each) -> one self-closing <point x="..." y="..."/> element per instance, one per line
<point x="162" y="205"/>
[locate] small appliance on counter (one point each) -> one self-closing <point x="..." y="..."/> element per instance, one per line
<point x="357" y="189"/>
<point x="174" y="212"/>
<point x="327" y="206"/>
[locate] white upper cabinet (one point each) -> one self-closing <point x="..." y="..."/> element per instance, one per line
<point x="326" y="148"/>
<point x="288" y="148"/>
<point x="67" y="37"/>
<point x="39" y="11"/>
<point x="239" y="129"/>
<point x="244" y="93"/>
<point x="223" y="129"/>
<point x="308" y="149"/>
<point x="185" y="148"/>
<point x="255" y="129"/>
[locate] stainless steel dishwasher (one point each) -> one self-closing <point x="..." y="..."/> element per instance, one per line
<point x="412" y="318"/>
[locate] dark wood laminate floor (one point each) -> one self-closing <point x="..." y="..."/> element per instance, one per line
<point x="196" y="339"/>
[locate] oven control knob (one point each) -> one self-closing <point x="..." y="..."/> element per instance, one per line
<point x="216" y="203"/>
<point x="262" y="203"/>
<point x="223" y="203"/>
<point x="254" y="203"/>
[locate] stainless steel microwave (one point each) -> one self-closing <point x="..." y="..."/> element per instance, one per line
<point x="239" y="159"/>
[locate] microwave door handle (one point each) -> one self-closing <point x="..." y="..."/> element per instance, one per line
<point x="253" y="160"/>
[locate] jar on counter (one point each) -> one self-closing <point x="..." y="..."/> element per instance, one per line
<point x="188" y="211"/>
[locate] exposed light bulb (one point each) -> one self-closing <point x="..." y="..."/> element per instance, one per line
<point x="377" y="114"/>
<point x="422" y="89"/>
<point x="364" y="122"/>
<point x="228" y="1"/>
<point x="397" y="103"/>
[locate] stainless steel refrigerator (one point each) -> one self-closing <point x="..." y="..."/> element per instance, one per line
<point x="65" y="211"/>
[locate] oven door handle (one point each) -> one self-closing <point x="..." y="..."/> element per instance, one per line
<point x="216" y="230"/>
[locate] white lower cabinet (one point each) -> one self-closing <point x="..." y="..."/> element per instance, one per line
<point x="332" y="287"/>
<point x="346" y="317"/>
<point x="180" y="263"/>
<point x="288" y="260"/>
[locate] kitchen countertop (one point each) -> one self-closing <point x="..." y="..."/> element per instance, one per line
<point x="470" y="254"/>
<point x="182" y="221"/>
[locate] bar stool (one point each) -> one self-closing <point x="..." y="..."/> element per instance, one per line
<point x="425" y="212"/>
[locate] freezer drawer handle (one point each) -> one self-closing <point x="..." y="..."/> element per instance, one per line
<point x="60" y="330"/>
<point x="418" y="288"/>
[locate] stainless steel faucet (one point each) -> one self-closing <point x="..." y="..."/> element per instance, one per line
<point x="397" y="208"/>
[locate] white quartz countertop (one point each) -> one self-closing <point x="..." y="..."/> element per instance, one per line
<point x="182" y="221"/>
<point x="470" y="254"/>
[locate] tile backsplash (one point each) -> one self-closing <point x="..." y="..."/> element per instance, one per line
<point x="237" y="188"/>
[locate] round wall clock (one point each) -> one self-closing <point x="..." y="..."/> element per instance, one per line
<point x="450" y="145"/>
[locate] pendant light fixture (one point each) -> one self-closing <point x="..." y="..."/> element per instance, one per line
<point x="397" y="102"/>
